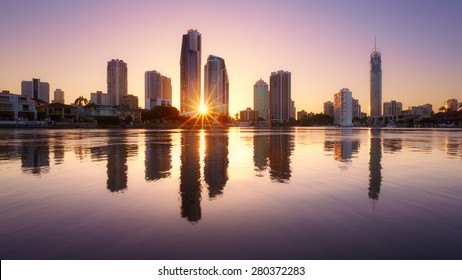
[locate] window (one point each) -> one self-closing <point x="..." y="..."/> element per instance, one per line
<point x="4" y="99"/>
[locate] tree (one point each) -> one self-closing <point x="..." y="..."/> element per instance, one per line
<point x="81" y="101"/>
<point x="237" y="116"/>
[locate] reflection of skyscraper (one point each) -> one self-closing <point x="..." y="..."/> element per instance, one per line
<point x="260" y="152"/>
<point x="280" y="147"/>
<point x="216" y="163"/>
<point x="190" y="72"/>
<point x="35" y="156"/>
<point x="58" y="151"/>
<point x="158" y="160"/>
<point x="190" y="187"/>
<point x="117" y="165"/>
<point x="375" y="166"/>
<point x="344" y="150"/>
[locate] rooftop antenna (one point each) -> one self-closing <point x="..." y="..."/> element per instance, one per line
<point x="375" y="42"/>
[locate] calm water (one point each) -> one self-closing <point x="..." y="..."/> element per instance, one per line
<point x="226" y="194"/>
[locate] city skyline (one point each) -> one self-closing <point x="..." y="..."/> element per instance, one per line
<point x="420" y="56"/>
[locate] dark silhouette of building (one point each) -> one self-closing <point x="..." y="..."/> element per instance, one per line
<point x="190" y="72"/>
<point x="280" y="148"/>
<point x="216" y="163"/>
<point x="190" y="186"/>
<point x="375" y="166"/>
<point x="35" y="154"/>
<point x="158" y="162"/>
<point x="119" y="149"/>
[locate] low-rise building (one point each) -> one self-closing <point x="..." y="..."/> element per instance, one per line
<point x="15" y="108"/>
<point x="248" y="115"/>
<point x="59" y="112"/>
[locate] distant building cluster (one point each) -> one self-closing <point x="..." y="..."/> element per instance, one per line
<point x="272" y="102"/>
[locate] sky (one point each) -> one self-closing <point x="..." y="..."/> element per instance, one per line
<point x="326" y="45"/>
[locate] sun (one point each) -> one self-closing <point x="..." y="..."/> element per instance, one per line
<point x="203" y="109"/>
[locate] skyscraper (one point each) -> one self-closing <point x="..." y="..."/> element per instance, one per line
<point x="58" y="96"/>
<point x="343" y="108"/>
<point x="216" y="86"/>
<point x="280" y="102"/>
<point x="329" y="108"/>
<point x="375" y="106"/>
<point x="157" y="88"/>
<point x="36" y="89"/>
<point x="261" y="98"/>
<point x="117" y="85"/>
<point x="190" y="72"/>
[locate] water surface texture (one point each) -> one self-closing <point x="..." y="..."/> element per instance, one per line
<point x="231" y="194"/>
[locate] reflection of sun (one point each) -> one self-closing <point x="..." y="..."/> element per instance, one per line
<point x="203" y="110"/>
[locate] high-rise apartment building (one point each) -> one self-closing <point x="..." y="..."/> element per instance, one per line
<point x="280" y="101"/>
<point x="157" y="88"/>
<point x="190" y="72"/>
<point x="375" y="106"/>
<point x="261" y="99"/>
<point x="58" y="96"/>
<point x="117" y="85"/>
<point x="130" y="100"/>
<point x="36" y="89"/>
<point x="356" y="108"/>
<point x="100" y="98"/>
<point x="392" y="108"/>
<point x="216" y="86"/>
<point x="329" y="108"/>
<point x="451" y="105"/>
<point x="343" y="108"/>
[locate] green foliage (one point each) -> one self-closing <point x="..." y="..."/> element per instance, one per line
<point x="318" y="119"/>
<point x="160" y="113"/>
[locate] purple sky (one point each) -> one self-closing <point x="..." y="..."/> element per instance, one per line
<point x="325" y="44"/>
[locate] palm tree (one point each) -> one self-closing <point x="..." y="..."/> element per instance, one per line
<point x="81" y="101"/>
<point x="237" y="116"/>
<point x="442" y="109"/>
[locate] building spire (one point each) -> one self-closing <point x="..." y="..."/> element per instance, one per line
<point x="375" y="42"/>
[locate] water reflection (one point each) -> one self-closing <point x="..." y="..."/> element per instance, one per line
<point x="280" y="148"/>
<point x="216" y="163"/>
<point x="190" y="186"/>
<point x="392" y="145"/>
<point x="375" y="165"/>
<point x="343" y="148"/>
<point x="158" y="160"/>
<point x="119" y="149"/>
<point x="260" y="153"/>
<point x="35" y="155"/>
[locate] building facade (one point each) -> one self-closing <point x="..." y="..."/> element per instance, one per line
<point x="375" y="101"/>
<point x="156" y="87"/>
<point x="216" y="86"/>
<point x="58" y="96"/>
<point x="343" y="108"/>
<point x="356" y="109"/>
<point x="248" y="115"/>
<point x="302" y="115"/>
<point x="451" y="105"/>
<point x="261" y="99"/>
<point x="280" y="101"/>
<point x="190" y="73"/>
<point x="329" y="108"/>
<point x="392" y="108"/>
<point x="117" y="85"/>
<point x="36" y="89"/>
<point x="100" y="98"/>
<point x="15" y="107"/>
<point x="131" y="101"/>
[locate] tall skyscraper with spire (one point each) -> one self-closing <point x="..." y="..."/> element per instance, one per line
<point x="117" y="86"/>
<point x="375" y="99"/>
<point x="216" y="86"/>
<point x="190" y="72"/>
